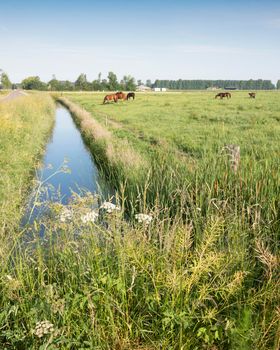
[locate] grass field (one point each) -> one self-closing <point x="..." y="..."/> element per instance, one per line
<point x="203" y="274"/>
<point x="182" y="135"/>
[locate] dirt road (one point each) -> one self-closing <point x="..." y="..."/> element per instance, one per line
<point x="14" y="94"/>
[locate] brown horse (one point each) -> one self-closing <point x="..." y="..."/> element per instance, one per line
<point x="228" y="94"/>
<point x="112" y="97"/>
<point x="252" y="94"/>
<point x="120" y="95"/>
<point x="130" y="95"/>
<point x="223" y="94"/>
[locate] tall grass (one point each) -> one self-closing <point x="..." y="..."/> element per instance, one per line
<point x="204" y="274"/>
<point x="25" y="125"/>
<point x="115" y="285"/>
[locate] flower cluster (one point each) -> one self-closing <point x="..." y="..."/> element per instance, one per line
<point x="143" y="218"/>
<point x="42" y="328"/>
<point x="89" y="217"/>
<point x="66" y="215"/>
<point x="109" y="207"/>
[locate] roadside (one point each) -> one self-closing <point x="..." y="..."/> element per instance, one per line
<point x="14" y="94"/>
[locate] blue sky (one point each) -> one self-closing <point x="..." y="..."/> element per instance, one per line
<point x="149" y="39"/>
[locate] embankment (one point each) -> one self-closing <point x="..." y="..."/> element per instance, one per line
<point x="121" y="164"/>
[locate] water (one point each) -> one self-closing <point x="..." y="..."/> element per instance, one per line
<point x="68" y="167"/>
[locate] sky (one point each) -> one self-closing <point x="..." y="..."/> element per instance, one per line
<point x="148" y="39"/>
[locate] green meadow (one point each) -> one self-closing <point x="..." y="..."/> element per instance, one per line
<point x="202" y="274"/>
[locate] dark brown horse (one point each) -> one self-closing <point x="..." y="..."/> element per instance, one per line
<point x="228" y="94"/>
<point x="130" y="95"/>
<point x="112" y="97"/>
<point x="121" y="96"/>
<point x="223" y="94"/>
<point x="252" y="94"/>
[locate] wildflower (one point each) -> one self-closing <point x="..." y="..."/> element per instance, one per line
<point x="109" y="207"/>
<point x="42" y="328"/>
<point x="143" y="218"/>
<point x="89" y="217"/>
<point x="66" y="215"/>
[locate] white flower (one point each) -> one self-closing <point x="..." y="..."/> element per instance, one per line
<point x="66" y="215"/>
<point x="145" y="218"/>
<point x="89" y="217"/>
<point x="109" y="207"/>
<point x="43" y="328"/>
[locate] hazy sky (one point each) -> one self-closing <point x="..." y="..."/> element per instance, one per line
<point x="149" y="39"/>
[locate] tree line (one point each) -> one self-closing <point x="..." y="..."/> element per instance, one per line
<point x="128" y="83"/>
<point x="219" y="84"/>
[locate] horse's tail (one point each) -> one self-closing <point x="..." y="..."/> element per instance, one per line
<point x="105" y="98"/>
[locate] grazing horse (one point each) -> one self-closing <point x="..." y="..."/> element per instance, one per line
<point x="130" y="95"/>
<point x="228" y="94"/>
<point x="108" y="98"/>
<point x="120" y="95"/>
<point x="252" y="94"/>
<point x="223" y="94"/>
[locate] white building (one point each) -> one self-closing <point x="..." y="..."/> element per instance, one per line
<point x="156" y="89"/>
<point x="143" y="88"/>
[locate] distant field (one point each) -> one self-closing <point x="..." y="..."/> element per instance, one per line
<point x="193" y="122"/>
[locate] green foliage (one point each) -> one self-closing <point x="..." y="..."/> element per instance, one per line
<point x="5" y="81"/>
<point x="58" y="85"/>
<point x="33" y="83"/>
<point x="113" y="84"/>
<point x="204" y="84"/>
<point x="81" y="83"/>
<point x="128" y="83"/>
<point x="278" y="85"/>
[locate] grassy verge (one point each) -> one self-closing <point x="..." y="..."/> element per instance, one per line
<point x="25" y="125"/>
<point x="113" y="285"/>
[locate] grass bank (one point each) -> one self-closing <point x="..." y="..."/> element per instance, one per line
<point x="25" y="125"/>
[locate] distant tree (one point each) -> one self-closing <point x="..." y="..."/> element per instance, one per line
<point x="5" y="81"/>
<point x="204" y="84"/>
<point x="54" y="85"/>
<point x="278" y="84"/>
<point x="149" y="82"/>
<point x="33" y="83"/>
<point x="81" y="83"/>
<point x="104" y="85"/>
<point x="112" y="82"/>
<point x="97" y="84"/>
<point x="67" y="85"/>
<point x="129" y="83"/>
<point x="139" y="82"/>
